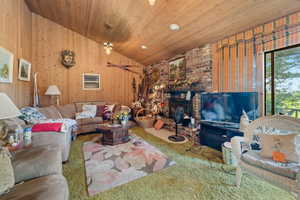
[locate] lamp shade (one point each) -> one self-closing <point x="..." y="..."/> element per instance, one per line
<point x="53" y="91"/>
<point x="7" y="108"/>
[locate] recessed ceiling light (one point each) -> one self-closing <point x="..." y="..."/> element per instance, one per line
<point x="152" y="2"/>
<point x="144" y="47"/>
<point x="174" y="27"/>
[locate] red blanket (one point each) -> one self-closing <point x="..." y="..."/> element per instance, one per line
<point x="47" y="127"/>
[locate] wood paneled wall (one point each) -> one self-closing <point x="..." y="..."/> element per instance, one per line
<point x="49" y="39"/>
<point x="16" y="36"/>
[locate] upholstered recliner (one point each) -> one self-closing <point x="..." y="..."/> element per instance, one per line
<point x="285" y="176"/>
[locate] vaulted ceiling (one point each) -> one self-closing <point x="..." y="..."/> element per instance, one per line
<point x="128" y="24"/>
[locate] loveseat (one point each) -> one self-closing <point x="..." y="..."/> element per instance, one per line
<point x="69" y="111"/>
<point x="37" y="175"/>
<point x="85" y="125"/>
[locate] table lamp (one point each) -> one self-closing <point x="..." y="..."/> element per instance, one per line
<point x="53" y="91"/>
<point x="7" y="110"/>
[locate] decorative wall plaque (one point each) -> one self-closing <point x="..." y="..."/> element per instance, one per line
<point x="68" y="58"/>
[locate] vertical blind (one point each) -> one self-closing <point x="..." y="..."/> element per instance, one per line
<point x="238" y="60"/>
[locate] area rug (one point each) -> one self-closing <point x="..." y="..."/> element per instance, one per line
<point x="111" y="166"/>
<point x="163" y="134"/>
<point x="198" y="175"/>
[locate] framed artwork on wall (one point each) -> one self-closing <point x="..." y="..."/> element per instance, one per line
<point x="24" y="70"/>
<point x="91" y="81"/>
<point x="177" y="69"/>
<point x="6" y="66"/>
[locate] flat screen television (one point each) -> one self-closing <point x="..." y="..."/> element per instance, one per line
<point x="228" y="107"/>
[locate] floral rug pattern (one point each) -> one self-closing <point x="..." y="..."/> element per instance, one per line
<point x="111" y="166"/>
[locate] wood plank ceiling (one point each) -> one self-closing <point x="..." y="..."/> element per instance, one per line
<point x="128" y="24"/>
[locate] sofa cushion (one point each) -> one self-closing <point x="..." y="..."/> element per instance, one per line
<point x="7" y="179"/>
<point x="280" y="143"/>
<point x="53" y="187"/>
<point x="288" y="170"/>
<point x="87" y="121"/>
<point x="67" y="111"/>
<point x="36" y="162"/>
<point x="50" y="112"/>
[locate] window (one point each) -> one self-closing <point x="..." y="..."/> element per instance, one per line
<point x="91" y="81"/>
<point x="282" y="81"/>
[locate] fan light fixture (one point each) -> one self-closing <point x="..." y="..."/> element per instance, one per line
<point x="144" y="47"/>
<point x="174" y="27"/>
<point x="152" y="2"/>
<point x="108" y="47"/>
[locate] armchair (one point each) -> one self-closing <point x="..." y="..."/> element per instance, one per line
<point x="285" y="176"/>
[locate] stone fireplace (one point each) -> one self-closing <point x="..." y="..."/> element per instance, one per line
<point x="191" y="107"/>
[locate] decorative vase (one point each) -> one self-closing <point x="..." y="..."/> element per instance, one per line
<point x="124" y="122"/>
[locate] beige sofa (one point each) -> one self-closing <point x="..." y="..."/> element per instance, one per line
<point x="38" y="175"/>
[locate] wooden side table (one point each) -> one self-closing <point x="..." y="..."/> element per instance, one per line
<point x="113" y="135"/>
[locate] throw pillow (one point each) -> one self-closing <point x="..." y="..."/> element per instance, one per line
<point x="89" y="111"/>
<point x="7" y="177"/>
<point x="90" y="108"/>
<point x="279" y="143"/>
<point x="107" y="113"/>
<point x="159" y="124"/>
<point x="100" y="110"/>
<point x="31" y="115"/>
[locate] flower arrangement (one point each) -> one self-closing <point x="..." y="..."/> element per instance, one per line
<point x="122" y="116"/>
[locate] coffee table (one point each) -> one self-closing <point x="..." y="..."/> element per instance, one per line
<point x="113" y="135"/>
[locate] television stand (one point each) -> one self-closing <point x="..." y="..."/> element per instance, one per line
<point x="214" y="134"/>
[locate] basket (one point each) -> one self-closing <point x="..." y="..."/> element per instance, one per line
<point x="145" y="122"/>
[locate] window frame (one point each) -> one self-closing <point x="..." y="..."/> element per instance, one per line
<point x="272" y="52"/>
<point x="91" y="74"/>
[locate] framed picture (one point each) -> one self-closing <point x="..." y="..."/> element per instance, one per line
<point x="91" y="81"/>
<point x="6" y="66"/>
<point x="177" y="69"/>
<point x="24" y="70"/>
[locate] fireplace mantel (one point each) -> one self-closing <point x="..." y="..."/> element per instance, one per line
<point x="180" y="91"/>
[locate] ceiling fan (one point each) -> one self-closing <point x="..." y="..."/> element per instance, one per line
<point x="124" y="67"/>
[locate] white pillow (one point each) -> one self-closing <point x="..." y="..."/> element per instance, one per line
<point x="91" y="108"/>
<point x="88" y="111"/>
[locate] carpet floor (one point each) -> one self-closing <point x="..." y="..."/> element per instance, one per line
<point x="164" y="135"/>
<point x="198" y="174"/>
